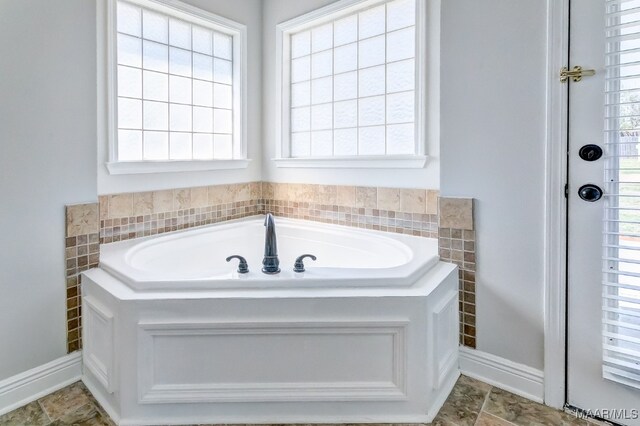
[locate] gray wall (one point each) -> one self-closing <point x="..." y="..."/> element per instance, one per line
<point x="492" y="149"/>
<point x="47" y="137"/>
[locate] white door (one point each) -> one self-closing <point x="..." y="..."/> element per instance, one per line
<point x="603" y="348"/>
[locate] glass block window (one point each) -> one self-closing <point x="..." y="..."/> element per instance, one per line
<point x="352" y="84"/>
<point x="175" y="88"/>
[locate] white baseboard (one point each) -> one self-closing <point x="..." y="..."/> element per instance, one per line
<point x="516" y="378"/>
<point x="26" y="387"/>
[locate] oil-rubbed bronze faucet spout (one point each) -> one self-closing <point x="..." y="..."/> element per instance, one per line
<point x="270" y="263"/>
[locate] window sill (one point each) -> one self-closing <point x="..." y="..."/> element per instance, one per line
<point x="142" y="167"/>
<point x="360" y="162"/>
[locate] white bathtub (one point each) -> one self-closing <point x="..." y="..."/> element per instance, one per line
<point x="368" y="334"/>
<point x="195" y="259"/>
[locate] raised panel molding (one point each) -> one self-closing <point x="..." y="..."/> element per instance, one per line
<point x="99" y="345"/>
<point x="151" y="392"/>
<point x="445" y="332"/>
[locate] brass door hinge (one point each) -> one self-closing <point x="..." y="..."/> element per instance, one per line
<point x="576" y="74"/>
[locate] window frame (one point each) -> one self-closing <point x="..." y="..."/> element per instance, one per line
<point x="194" y="15"/>
<point x="318" y="17"/>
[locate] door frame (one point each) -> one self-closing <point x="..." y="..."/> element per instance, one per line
<point x="556" y="174"/>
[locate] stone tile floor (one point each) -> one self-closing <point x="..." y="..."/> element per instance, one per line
<point x="471" y="403"/>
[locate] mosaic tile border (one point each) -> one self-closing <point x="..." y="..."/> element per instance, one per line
<point x="421" y="201"/>
<point x="417" y="224"/>
<point x="457" y="244"/>
<point x="404" y="211"/>
<point x="141" y="214"/>
<point x="82" y="252"/>
<point x="418" y="212"/>
<point x="126" y="228"/>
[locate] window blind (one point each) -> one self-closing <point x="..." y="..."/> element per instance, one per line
<point x="621" y="248"/>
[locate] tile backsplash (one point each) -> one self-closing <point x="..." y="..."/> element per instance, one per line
<point x="82" y="250"/>
<point x="140" y="214"/>
<point x="457" y="244"/>
<point x="406" y="211"/>
<point x="418" y="212"/>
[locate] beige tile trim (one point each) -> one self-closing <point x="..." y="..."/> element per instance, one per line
<point x="457" y="244"/>
<point x="416" y="224"/>
<point x="81" y="219"/>
<point x="82" y="250"/>
<point x="145" y="203"/>
<point x="456" y="213"/>
<point x="424" y="201"/>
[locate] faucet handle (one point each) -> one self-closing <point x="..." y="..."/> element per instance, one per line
<point x="298" y="266"/>
<point x="243" y="267"/>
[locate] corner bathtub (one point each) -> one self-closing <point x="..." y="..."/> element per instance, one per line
<point x="195" y="259"/>
<point x="174" y="335"/>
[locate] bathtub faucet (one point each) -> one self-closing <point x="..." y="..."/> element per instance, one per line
<point x="270" y="263"/>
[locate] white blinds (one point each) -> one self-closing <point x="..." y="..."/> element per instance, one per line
<point x="621" y="274"/>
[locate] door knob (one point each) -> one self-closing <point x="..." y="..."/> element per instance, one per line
<point x="590" y="152"/>
<point x="590" y="192"/>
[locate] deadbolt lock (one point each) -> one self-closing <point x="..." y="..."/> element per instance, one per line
<point x="576" y="74"/>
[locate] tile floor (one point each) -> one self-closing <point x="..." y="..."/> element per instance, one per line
<point x="471" y="403"/>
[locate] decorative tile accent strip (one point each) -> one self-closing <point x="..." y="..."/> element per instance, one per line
<point x="417" y="224"/>
<point x="404" y="211"/>
<point x="141" y="214"/>
<point x="390" y="199"/>
<point x="81" y="253"/>
<point x="457" y="244"/>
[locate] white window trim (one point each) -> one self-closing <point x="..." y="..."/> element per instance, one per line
<point x="178" y="9"/>
<point x="283" y="109"/>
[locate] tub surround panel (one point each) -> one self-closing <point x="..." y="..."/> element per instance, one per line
<point x="82" y="250"/>
<point x="183" y="359"/>
<point x="457" y="244"/>
<point x="232" y="378"/>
